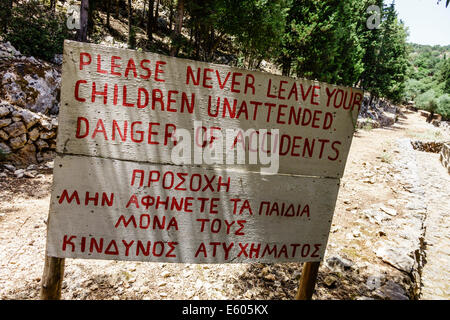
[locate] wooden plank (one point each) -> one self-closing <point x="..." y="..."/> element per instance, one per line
<point x="307" y="281"/>
<point x="315" y="120"/>
<point x="52" y="278"/>
<point x="102" y="208"/>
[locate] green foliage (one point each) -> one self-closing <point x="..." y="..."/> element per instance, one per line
<point x="255" y="27"/>
<point x="443" y="107"/>
<point x="259" y="28"/>
<point x="327" y="40"/>
<point x="429" y="83"/>
<point x="386" y="57"/>
<point x="413" y="88"/>
<point x="35" y="30"/>
<point x="428" y="101"/>
<point x="321" y="41"/>
<point x="445" y="76"/>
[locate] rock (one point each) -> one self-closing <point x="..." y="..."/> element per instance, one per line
<point x="5" y="122"/>
<point x="389" y="211"/>
<point x="28" y="117"/>
<point x="338" y="261"/>
<point x="32" y="167"/>
<point x="26" y="155"/>
<point x="18" y="142"/>
<point x="356" y="233"/>
<point x="391" y="291"/>
<point x="4" y="148"/>
<point x="3" y="135"/>
<point x="47" y="135"/>
<point x="34" y="134"/>
<point x="50" y="164"/>
<point x="9" y="167"/>
<point x="415" y="205"/>
<point x="54" y="122"/>
<point x="428" y="146"/>
<point x="4" y="111"/>
<point x="41" y="144"/>
<point x="375" y="216"/>
<point x="19" y="173"/>
<point x="165" y="274"/>
<point x="45" y="156"/>
<point x="46" y="124"/>
<point x="374" y="282"/>
<point x="58" y="59"/>
<point x="396" y="256"/>
<point x="15" y="129"/>
<point x="386" y="119"/>
<point x="32" y="84"/>
<point x="270" y="277"/>
<point x="330" y="281"/>
<point x="30" y="174"/>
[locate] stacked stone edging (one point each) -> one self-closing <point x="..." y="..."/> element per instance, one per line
<point x="380" y="114"/>
<point x="427" y="146"/>
<point x="445" y="156"/>
<point x="26" y="137"/>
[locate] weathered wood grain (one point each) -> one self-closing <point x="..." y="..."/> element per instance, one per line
<point x="98" y="220"/>
<point x="312" y="161"/>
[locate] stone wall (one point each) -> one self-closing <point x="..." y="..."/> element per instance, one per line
<point x="427" y="146"/>
<point x="380" y="113"/>
<point x="26" y="137"/>
<point x="29" y="104"/>
<point x="445" y="156"/>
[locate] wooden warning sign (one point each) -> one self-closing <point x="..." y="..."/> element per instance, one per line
<point x="186" y="214"/>
<point x="121" y="191"/>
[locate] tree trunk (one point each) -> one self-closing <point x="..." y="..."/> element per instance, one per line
<point x="157" y="12"/>
<point x="197" y="41"/>
<point x="53" y="6"/>
<point x="150" y="19"/>
<point x="130" y="31"/>
<point x="108" y="13"/>
<point x="286" y="66"/>
<point x="178" y="26"/>
<point x="84" y="15"/>
<point x="145" y="8"/>
<point x="170" y="15"/>
<point x="7" y="15"/>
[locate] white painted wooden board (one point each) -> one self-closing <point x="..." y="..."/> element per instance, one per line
<point x="282" y="238"/>
<point x="322" y="143"/>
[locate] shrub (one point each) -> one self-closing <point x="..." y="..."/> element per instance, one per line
<point x="444" y="106"/>
<point x="427" y="101"/>
<point x="35" y="30"/>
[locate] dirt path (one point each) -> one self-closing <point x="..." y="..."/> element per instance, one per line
<point x="436" y="272"/>
<point x="352" y="268"/>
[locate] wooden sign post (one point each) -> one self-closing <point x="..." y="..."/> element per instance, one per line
<point x="149" y="163"/>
